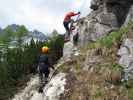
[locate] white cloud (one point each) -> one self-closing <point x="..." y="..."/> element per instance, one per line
<point x="44" y="15"/>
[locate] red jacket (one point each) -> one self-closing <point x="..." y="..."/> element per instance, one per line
<point x="69" y="15"/>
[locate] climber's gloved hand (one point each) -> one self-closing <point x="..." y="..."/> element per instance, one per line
<point x="79" y="12"/>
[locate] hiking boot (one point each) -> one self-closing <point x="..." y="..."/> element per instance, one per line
<point x="46" y="81"/>
<point x="40" y="89"/>
<point x="74" y="49"/>
<point x="76" y="53"/>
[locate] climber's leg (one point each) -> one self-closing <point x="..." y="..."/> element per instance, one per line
<point x="68" y="30"/>
<point x="47" y="76"/>
<point x="66" y="26"/>
<point x="40" y="77"/>
<point x="71" y="25"/>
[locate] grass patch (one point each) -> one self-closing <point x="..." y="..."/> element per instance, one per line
<point x="112" y="39"/>
<point x="129" y="85"/>
<point x="116" y="67"/>
<point x="130" y="94"/>
<point x="99" y="93"/>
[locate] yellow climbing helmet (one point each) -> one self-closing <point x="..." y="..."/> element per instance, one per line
<point x="45" y="49"/>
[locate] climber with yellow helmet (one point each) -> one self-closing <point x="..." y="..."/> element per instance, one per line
<point x="44" y="65"/>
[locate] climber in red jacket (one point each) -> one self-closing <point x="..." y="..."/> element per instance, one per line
<point x="67" y="21"/>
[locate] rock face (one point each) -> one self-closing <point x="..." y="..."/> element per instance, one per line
<point x="67" y="50"/>
<point x="51" y="91"/>
<point x="126" y="58"/>
<point x="129" y="16"/>
<point x="107" y="15"/>
<point x="70" y="48"/>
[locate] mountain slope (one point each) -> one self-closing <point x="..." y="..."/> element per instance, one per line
<point x="95" y="73"/>
<point x="35" y="35"/>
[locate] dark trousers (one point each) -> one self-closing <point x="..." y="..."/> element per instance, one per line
<point x="43" y="72"/>
<point x="66" y="25"/>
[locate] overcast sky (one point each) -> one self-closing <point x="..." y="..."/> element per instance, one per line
<point x="43" y="15"/>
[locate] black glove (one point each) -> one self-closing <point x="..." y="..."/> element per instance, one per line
<point x="79" y="12"/>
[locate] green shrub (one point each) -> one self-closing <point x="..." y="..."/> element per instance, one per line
<point x="21" y="60"/>
<point x="112" y="38"/>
